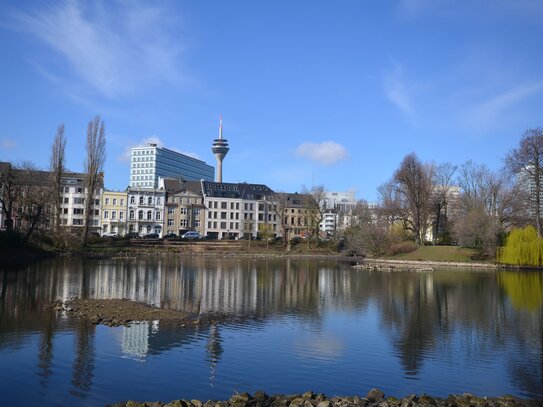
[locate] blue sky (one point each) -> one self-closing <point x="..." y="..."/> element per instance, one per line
<point x="311" y="92"/>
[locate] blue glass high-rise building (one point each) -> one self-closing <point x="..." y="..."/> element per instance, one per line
<point x="149" y="163"/>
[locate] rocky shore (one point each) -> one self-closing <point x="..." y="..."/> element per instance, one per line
<point x="374" y="398"/>
<point x="117" y="312"/>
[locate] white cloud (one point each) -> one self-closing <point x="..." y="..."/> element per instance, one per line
<point x="491" y="110"/>
<point x="327" y="152"/>
<point x="125" y="156"/>
<point x="116" y="51"/>
<point x="397" y="92"/>
<point x="8" y="144"/>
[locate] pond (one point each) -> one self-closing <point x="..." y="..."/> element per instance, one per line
<point x="296" y="325"/>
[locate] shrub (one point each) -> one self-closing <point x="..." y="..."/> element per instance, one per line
<point x="523" y="247"/>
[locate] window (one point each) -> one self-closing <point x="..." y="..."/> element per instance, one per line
<point x="170" y="222"/>
<point x="141" y="200"/>
<point x="197" y="223"/>
<point x="66" y="190"/>
<point x="157" y="215"/>
<point x="223" y="205"/>
<point x="114" y="201"/>
<point x="96" y="212"/>
<point x="113" y="214"/>
<point x="223" y="225"/>
<point x="107" y="201"/>
<point x="158" y="201"/>
<point x="209" y="224"/>
<point x="65" y="211"/>
<point x="140" y="215"/>
<point x="237" y="205"/>
<point x="66" y="200"/>
<point x="197" y="212"/>
<point x="79" y="201"/>
<point x="223" y="215"/>
<point x="106" y="214"/>
<point x="79" y="190"/>
<point x="183" y="223"/>
<point x="122" y="202"/>
<point x="183" y="211"/>
<point x="171" y="210"/>
<point x="131" y="215"/>
<point x="121" y="215"/>
<point x="132" y="200"/>
<point x="149" y="215"/>
<point x="150" y="200"/>
<point x="77" y="222"/>
<point x="231" y="205"/>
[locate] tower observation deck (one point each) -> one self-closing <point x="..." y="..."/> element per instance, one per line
<point x="220" y="149"/>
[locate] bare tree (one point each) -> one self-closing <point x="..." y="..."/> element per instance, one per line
<point x="34" y="198"/>
<point x="527" y="160"/>
<point x="9" y="192"/>
<point x="279" y="206"/>
<point x="314" y="208"/>
<point x="94" y="164"/>
<point x="407" y="196"/>
<point x="57" y="169"/>
<point x="490" y="203"/>
<point x="443" y="178"/>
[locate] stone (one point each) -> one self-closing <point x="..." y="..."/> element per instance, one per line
<point x="375" y="395"/>
<point x="260" y="395"/>
<point x="308" y="395"/>
<point x="196" y="403"/>
<point x="324" y="404"/>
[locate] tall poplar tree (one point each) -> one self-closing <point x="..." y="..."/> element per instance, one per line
<point x="94" y="165"/>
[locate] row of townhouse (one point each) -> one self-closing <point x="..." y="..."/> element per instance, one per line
<point x="218" y="210"/>
<point x="215" y="209"/>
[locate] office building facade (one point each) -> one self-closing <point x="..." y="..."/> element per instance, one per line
<point x="149" y="163"/>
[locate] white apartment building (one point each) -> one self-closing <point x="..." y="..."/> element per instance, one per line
<point x="74" y="194"/>
<point x="236" y="210"/>
<point x="146" y="210"/>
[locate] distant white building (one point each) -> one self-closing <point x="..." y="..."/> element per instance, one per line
<point x="340" y="202"/>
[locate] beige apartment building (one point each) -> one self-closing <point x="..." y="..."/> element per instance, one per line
<point x="114" y="207"/>
<point x="184" y="208"/>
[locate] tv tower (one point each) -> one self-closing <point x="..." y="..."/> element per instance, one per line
<point x="220" y="149"/>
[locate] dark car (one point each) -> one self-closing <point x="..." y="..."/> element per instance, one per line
<point x="209" y="237"/>
<point x="132" y="235"/>
<point x="151" y="236"/>
<point x="170" y="236"/>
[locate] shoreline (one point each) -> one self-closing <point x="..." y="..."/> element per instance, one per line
<point x="373" y="398"/>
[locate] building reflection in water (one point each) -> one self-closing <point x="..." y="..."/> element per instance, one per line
<point x="417" y="311"/>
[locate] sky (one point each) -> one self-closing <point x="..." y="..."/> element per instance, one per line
<point x="331" y="93"/>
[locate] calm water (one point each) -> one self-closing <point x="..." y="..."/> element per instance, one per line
<point x="299" y="325"/>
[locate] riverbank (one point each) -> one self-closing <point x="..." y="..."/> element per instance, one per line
<point x="118" y="312"/>
<point x="374" y="398"/>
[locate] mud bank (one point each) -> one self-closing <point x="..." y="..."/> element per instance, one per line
<point x="117" y="312"/>
<point x="373" y="398"/>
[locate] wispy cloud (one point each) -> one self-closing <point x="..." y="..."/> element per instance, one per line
<point x="489" y="111"/>
<point x="326" y="153"/>
<point x="116" y="52"/>
<point x="8" y="144"/>
<point x="396" y="91"/>
<point x="125" y="156"/>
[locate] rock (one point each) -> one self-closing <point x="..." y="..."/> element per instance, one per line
<point x="375" y="395"/>
<point x="260" y="395"/>
<point x="196" y="403"/>
<point x="175" y="403"/>
<point x="308" y="395"/>
<point x="324" y="404"/>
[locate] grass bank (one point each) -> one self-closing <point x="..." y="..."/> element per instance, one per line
<point x="438" y="254"/>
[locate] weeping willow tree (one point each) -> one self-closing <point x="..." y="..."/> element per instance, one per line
<point x="524" y="247"/>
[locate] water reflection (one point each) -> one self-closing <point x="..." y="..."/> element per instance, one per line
<point x="473" y="314"/>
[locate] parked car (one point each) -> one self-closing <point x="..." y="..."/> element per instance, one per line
<point x="190" y="235"/>
<point x="151" y="236"/>
<point x="170" y="236"/>
<point x="132" y="235"/>
<point x="209" y="237"/>
<point x="112" y="235"/>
